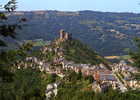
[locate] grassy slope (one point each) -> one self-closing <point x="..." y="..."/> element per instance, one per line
<point x="80" y="53"/>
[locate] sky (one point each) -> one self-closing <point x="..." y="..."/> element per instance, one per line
<point x="78" y="5"/>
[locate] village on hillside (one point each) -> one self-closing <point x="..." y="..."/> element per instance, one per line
<point x="120" y="76"/>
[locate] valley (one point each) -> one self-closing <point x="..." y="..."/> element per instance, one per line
<point x="110" y="34"/>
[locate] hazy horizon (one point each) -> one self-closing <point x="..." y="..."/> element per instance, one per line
<point x="77" y="11"/>
<point x="78" y="5"/>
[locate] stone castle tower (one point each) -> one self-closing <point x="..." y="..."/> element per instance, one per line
<point x="64" y="35"/>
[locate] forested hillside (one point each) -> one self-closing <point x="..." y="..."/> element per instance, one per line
<point x="108" y="33"/>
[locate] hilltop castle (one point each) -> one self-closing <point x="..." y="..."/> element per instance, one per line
<point x="63" y="36"/>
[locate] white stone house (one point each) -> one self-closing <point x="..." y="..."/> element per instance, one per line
<point x="51" y="90"/>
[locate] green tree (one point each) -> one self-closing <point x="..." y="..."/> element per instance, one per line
<point x="6" y="30"/>
<point x="26" y="84"/>
<point x="135" y="56"/>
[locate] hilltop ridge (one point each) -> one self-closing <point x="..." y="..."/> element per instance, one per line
<point x="108" y="33"/>
<point x="65" y="47"/>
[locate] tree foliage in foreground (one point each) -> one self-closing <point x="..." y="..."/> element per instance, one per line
<point x="17" y="84"/>
<point x="135" y="56"/>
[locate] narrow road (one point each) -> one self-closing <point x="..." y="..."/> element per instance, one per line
<point x="121" y="85"/>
